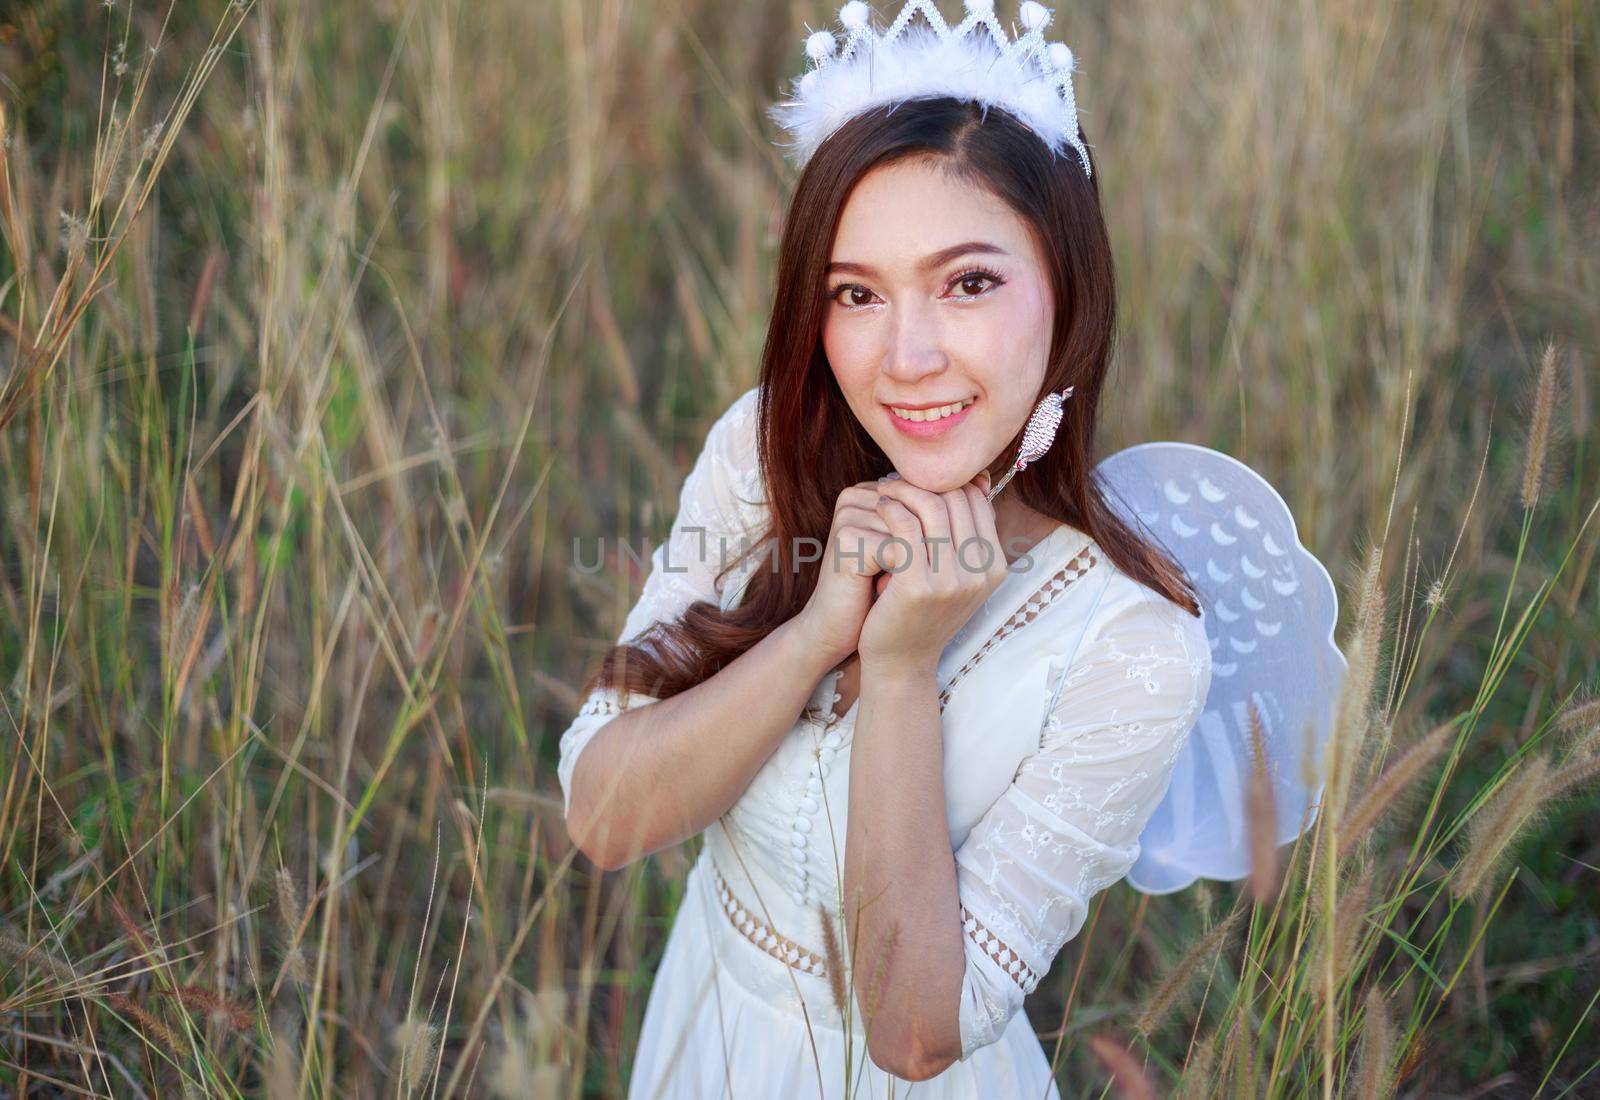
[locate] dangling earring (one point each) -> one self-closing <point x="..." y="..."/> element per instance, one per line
<point x="1037" y="436"/>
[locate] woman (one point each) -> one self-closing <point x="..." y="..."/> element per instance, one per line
<point x="919" y="729"/>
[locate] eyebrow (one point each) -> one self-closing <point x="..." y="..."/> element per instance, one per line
<point x="928" y="263"/>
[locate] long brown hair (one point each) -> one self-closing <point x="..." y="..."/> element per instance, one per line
<point x="812" y="446"/>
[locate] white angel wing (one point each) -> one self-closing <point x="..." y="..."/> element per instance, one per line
<point x="1270" y="610"/>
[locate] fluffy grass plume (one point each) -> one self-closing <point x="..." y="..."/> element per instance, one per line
<point x="1377" y="1048"/>
<point x="416" y="1041"/>
<point x="1261" y="817"/>
<point x="1128" y="1078"/>
<point x="835" y="961"/>
<point x="1497" y="826"/>
<point x="1387" y="793"/>
<point x="1541" y="421"/>
<point x="1166" y="995"/>
<point x="1580" y="720"/>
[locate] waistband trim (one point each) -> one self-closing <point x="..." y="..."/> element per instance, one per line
<point x="762" y="935"/>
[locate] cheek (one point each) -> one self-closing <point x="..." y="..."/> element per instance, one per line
<point x="1010" y="341"/>
<point x="1027" y="320"/>
<point x="851" y="353"/>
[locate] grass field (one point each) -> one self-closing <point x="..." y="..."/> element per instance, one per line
<point x="325" y="329"/>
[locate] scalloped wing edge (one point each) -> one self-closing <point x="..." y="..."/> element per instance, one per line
<point x="1318" y="575"/>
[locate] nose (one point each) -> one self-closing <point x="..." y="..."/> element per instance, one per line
<point x="915" y="351"/>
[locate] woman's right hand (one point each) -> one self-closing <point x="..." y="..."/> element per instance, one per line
<point x="850" y="568"/>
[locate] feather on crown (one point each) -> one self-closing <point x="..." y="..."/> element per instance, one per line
<point x="976" y="60"/>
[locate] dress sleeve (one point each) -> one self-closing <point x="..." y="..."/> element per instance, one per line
<point x="721" y="509"/>
<point x="1069" y="824"/>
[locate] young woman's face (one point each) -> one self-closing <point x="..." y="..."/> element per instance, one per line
<point x="937" y="297"/>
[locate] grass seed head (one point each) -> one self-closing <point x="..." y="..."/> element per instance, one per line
<point x="1177" y="981"/>
<point x="1498" y="824"/>
<point x="1388" y="793"/>
<point x="835" y="959"/>
<point x="417" y="1040"/>
<point x="74" y="236"/>
<point x="1540" y="425"/>
<point x="1377" y="1048"/>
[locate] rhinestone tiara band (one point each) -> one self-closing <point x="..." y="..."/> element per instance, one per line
<point x="976" y="60"/>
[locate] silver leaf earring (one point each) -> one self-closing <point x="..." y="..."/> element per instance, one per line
<point x="1037" y="436"/>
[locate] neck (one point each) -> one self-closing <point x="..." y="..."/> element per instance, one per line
<point x="1020" y="528"/>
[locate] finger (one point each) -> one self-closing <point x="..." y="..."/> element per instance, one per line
<point x="929" y="508"/>
<point x="860" y="515"/>
<point x="858" y="550"/>
<point x="857" y="539"/>
<point x="861" y="495"/>
<point x="904" y="547"/>
<point x="983" y="524"/>
<point x="962" y="531"/>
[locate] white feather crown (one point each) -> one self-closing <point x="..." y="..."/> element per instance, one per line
<point x="1029" y="77"/>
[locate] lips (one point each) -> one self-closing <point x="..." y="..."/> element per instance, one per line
<point x="929" y="429"/>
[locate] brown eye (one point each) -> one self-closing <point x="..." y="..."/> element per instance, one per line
<point x="974" y="281"/>
<point x="851" y="295"/>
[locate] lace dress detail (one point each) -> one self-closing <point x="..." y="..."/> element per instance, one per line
<point x="786" y="951"/>
<point x="1068" y="826"/>
<point x="763" y="936"/>
<point x="1027" y="977"/>
<point x="1042" y="598"/>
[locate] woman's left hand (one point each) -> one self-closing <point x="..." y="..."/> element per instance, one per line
<point x="935" y="585"/>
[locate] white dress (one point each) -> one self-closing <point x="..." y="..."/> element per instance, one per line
<point x="1064" y="703"/>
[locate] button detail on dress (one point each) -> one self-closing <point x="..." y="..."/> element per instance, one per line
<point x="807" y="806"/>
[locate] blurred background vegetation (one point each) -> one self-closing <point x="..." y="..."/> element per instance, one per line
<point x="326" y="329"/>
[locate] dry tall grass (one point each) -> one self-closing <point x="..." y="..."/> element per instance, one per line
<point x="325" y="329"/>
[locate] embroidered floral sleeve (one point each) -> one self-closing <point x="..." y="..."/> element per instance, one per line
<point x="1069" y="824"/>
<point x="721" y="509"/>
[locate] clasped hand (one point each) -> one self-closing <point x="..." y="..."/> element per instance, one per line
<point x="931" y="559"/>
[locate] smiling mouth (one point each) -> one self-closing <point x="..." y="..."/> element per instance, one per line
<point x="939" y="412"/>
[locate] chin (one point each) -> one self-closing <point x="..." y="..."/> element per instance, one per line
<point x="937" y="481"/>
